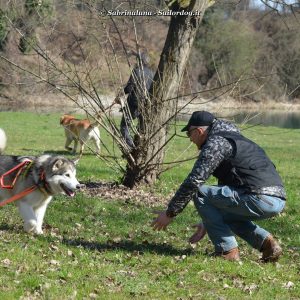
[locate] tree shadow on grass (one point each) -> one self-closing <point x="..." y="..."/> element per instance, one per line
<point x="129" y="246"/>
<point x="123" y="245"/>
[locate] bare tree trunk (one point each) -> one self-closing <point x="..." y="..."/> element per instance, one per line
<point x="161" y="105"/>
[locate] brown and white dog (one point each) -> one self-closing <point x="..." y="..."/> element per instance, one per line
<point x="81" y="131"/>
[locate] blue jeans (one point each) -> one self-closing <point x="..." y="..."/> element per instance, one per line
<point x="226" y="211"/>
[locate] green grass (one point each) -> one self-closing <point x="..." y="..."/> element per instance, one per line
<point x="104" y="249"/>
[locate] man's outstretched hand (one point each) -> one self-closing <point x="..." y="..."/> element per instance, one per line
<point x="162" y="220"/>
<point x="199" y="234"/>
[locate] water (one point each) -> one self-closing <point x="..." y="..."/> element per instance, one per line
<point x="276" y="118"/>
<point x="282" y="119"/>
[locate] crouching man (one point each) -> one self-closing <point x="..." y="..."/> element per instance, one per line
<point x="249" y="188"/>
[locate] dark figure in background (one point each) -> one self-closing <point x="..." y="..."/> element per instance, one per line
<point x="137" y="89"/>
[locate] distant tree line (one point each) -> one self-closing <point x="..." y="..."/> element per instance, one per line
<point x="235" y="43"/>
<point x="252" y="43"/>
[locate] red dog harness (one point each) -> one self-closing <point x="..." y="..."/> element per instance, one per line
<point x="18" y="168"/>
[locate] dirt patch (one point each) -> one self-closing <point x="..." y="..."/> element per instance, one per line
<point x="114" y="191"/>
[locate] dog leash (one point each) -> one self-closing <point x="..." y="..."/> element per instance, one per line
<point x="19" y="168"/>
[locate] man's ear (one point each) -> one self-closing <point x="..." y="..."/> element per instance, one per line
<point x="200" y="130"/>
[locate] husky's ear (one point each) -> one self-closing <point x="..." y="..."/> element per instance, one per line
<point x="75" y="160"/>
<point x="57" y="165"/>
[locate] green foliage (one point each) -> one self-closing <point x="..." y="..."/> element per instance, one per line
<point x="238" y="46"/>
<point x="179" y="3"/>
<point x="229" y="47"/>
<point x="26" y="21"/>
<point x="284" y="48"/>
<point x="105" y="249"/>
<point x="27" y="43"/>
<point x="36" y="11"/>
<point x="182" y="4"/>
<point x="233" y="56"/>
<point x="42" y="8"/>
<point x="6" y="14"/>
<point x="3" y="29"/>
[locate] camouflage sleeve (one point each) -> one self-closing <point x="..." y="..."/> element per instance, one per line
<point x="212" y="154"/>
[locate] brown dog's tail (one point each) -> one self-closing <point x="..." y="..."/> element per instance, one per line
<point x="96" y="119"/>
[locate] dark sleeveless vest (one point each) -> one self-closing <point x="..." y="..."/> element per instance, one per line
<point x="249" y="167"/>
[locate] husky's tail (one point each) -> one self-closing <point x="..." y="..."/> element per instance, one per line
<point x="2" y="140"/>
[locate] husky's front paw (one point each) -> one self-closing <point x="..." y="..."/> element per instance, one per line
<point x="30" y="226"/>
<point x="38" y="231"/>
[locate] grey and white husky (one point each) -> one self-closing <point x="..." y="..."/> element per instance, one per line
<point x="49" y="175"/>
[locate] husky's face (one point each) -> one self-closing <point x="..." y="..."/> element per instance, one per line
<point x="62" y="179"/>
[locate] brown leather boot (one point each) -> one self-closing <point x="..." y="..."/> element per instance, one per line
<point x="270" y="249"/>
<point x="232" y="254"/>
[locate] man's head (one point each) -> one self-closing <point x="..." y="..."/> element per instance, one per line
<point x="197" y="125"/>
